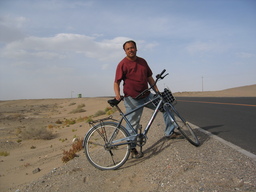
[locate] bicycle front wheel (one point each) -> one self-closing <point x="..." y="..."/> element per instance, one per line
<point x="183" y="126"/>
<point x="98" y="149"/>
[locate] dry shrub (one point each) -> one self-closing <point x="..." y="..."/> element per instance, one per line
<point x="70" y="122"/>
<point x="81" y="106"/>
<point x="99" y="113"/>
<point x="107" y="111"/>
<point x="79" y="109"/>
<point x="81" y="119"/>
<point x="4" y="153"/>
<point x="89" y="119"/>
<point x="27" y="164"/>
<point x="50" y="126"/>
<point x="18" y="131"/>
<point x="110" y="110"/>
<point x="68" y="155"/>
<point x="63" y="140"/>
<point x="71" y="153"/>
<point x="37" y="133"/>
<point x="77" y="145"/>
<point x="58" y="122"/>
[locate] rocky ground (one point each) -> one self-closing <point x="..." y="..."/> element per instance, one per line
<point x="167" y="165"/>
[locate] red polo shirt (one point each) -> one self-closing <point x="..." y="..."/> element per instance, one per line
<point x="134" y="75"/>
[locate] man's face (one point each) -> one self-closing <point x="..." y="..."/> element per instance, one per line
<point x="130" y="50"/>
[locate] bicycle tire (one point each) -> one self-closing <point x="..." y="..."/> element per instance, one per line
<point x="183" y="126"/>
<point x="96" y="146"/>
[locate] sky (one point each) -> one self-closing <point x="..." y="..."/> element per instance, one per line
<point x="62" y="48"/>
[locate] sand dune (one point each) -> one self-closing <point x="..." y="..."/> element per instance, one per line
<point x="244" y="91"/>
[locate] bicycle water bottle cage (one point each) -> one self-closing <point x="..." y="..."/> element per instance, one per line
<point x="114" y="102"/>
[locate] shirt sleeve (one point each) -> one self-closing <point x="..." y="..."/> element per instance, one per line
<point x="149" y="71"/>
<point x="119" y="72"/>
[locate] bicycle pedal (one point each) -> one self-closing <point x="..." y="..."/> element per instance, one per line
<point x="137" y="156"/>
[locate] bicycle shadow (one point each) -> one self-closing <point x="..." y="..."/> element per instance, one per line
<point x="204" y="136"/>
<point x="153" y="150"/>
<point x="206" y="132"/>
<point x="211" y="127"/>
<point x="217" y="132"/>
<point x="163" y="143"/>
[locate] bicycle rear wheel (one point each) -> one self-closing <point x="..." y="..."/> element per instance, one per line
<point x="183" y="126"/>
<point x="98" y="149"/>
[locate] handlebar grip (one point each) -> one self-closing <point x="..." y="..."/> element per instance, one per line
<point x="162" y="72"/>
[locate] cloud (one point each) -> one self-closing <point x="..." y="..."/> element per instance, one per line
<point x="63" y="46"/>
<point x="11" y="28"/>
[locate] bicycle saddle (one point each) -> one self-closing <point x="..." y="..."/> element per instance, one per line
<point x="114" y="102"/>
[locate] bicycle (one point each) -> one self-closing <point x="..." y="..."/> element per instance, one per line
<point x="107" y="145"/>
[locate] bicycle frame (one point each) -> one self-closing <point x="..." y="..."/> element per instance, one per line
<point x="112" y="144"/>
<point x="131" y="138"/>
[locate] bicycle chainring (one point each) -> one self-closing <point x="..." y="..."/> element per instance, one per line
<point x="141" y="140"/>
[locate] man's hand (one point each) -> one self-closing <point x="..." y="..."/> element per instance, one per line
<point x="117" y="90"/>
<point x="118" y="97"/>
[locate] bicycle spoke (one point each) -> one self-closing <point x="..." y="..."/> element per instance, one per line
<point x="94" y="143"/>
<point x="99" y="150"/>
<point x="102" y="133"/>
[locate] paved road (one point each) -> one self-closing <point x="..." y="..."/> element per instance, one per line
<point x="233" y="119"/>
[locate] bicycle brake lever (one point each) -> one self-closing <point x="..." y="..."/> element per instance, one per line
<point x="165" y="76"/>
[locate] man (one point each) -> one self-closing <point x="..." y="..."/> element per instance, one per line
<point x="136" y="75"/>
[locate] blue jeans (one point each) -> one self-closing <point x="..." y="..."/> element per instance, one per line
<point x="134" y="118"/>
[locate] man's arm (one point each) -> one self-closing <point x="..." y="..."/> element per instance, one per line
<point x="117" y="90"/>
<point x="151" y="82"/>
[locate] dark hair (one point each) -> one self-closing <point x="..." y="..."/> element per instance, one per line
<point x="130" y="41"/>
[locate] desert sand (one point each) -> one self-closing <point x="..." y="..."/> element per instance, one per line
<point x="31" y="159"/>
<point x="244" y="91"/>
<point x="26" y="155"/>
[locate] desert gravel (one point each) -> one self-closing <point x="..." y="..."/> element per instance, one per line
<point x="167" y="165"/>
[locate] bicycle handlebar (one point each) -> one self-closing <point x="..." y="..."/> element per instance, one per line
<point x="158" y="76"/>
